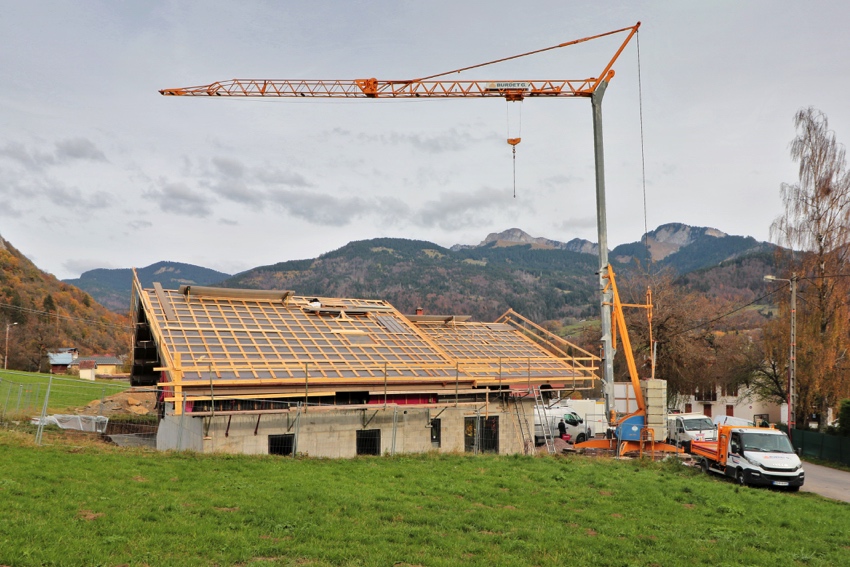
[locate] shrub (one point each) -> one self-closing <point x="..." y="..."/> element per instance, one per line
<point x="844" y="418"/>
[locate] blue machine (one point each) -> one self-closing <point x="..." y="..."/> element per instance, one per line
<point x="629" y="430"/>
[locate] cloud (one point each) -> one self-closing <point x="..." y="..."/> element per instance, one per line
<point x="560" y="181"/>
<point x="140" y="224"/>
<point x="81" y="265"/>
<point x="20" y="188"/>
<point x="73" y="198"/>
<point x="9" y="210"/>
<point x="66" y="150"/>
<point x="232" y="180"/>
<point x="229" y="167"/>
<point x="237" y="191"/>
<point x="277" y="177"/>
<point x="228" y="222"/>
<point x="179" y="198"/>
<point x="451" y="141"/>
<point x="78" y="148"/>
<point x="455" y="211"/>
<point x="322" y="209"/>
<point x="576" y="222"/>
<point x="32" y="160"/>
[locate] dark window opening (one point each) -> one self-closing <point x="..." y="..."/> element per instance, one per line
<point x="436" y="438"/>
<point x="282" y="445"/>
<point x="369" y="442"/>
<point x="481" y="435"/>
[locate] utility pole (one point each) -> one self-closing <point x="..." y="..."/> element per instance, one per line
<point x="6" y="355"/>
<point x="792" y="361"/>
<point x="792" y="355"/>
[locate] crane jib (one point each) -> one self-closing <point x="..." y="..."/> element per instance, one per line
<point x="373" y="88"/>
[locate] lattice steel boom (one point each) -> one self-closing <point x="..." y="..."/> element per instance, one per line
<point x="415" y="88"/>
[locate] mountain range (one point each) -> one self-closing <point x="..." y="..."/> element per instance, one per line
<point x="541" y="278"/>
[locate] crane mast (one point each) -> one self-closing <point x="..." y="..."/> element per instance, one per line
<point x="427" y="87"/>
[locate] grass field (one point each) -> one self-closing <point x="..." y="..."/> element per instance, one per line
<point x="73" y="502"/>
<point x="25" y="391"/>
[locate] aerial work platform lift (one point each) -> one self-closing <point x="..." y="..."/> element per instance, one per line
<point x="630" y="431"/>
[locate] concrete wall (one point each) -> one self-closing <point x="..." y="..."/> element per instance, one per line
<point x="333" y="434"/>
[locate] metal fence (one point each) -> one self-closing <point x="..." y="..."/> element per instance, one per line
<point x="48" y="406"/>
<point x="821" y="446"/>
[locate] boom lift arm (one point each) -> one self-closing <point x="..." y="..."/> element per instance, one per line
<point x="630" y="429"/>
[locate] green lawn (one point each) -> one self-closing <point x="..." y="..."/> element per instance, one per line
<point x="87" y="504"/>
<point x="23" y="392"/>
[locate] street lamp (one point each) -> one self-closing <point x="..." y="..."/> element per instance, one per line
<point x="792" y="360"/>
<point x="6" y="357"/>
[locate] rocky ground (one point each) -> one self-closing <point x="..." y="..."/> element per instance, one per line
<point x="134" y="401"/>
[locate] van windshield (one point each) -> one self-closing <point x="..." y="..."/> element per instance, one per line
<point x="698" y="424"/>
<point x="766" y="443"/>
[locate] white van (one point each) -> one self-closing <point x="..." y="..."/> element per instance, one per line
<point x="682" y="428"/>
<point x="576" y="428"/>
<point x="729" y="420"/>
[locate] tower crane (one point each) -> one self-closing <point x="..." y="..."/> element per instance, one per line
<point x="510" y="90"/>
<point x="438" y="87"/>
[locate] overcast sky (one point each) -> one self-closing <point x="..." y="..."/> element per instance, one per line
<point x="98" y="170"/>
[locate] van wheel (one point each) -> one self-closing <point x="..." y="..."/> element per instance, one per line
<point x="739" y="476"/>
<point x="581" y="438"/>
<point x="703" y="464"/>
<point x="793" y="489"/>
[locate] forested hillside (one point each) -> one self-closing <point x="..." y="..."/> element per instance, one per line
<point x="45" y="313"/>
<point x="111" y="287"/>
<point x="482" y="282"/>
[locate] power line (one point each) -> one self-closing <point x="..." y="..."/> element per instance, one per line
<point x="66" y="317"/>
<point x="729" y="313"/>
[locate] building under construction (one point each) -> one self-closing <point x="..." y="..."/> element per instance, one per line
<point x="250" y="371"/>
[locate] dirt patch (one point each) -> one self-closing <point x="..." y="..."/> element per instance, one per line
<point x="129" y="402"/>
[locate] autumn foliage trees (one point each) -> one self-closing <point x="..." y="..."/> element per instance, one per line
<point x="816" y="223"/>
<point x="45" y="314"/>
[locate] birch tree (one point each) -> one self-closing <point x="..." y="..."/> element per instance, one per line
<point x="816" y="225"/>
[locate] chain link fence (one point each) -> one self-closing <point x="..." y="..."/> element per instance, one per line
<point x="49" y="406"/>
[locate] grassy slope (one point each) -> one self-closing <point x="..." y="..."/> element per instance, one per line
<point x="66" y="392"/>
<point x="65" y="505"/>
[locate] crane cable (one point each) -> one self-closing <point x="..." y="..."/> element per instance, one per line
<point x="642" y="154"/>
<point x="514" y="141"/>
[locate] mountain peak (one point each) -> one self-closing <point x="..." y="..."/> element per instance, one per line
<point x="514" y="235"/>
<point x="672" y="237"/>
<point x="517" y="237"/>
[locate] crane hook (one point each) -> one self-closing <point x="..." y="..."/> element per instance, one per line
<point x="513" y="142"/>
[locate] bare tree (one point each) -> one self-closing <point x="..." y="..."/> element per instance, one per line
<point x="762" y="368"/>
<point x="695" y="352"/>
<point x="816" y="224"/>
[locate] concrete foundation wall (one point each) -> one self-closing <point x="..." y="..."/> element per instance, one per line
<point x="333" y="433"/>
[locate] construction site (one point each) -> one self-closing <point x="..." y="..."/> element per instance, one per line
<point x="273" y="372"/>
<point x="250" y="371"/>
